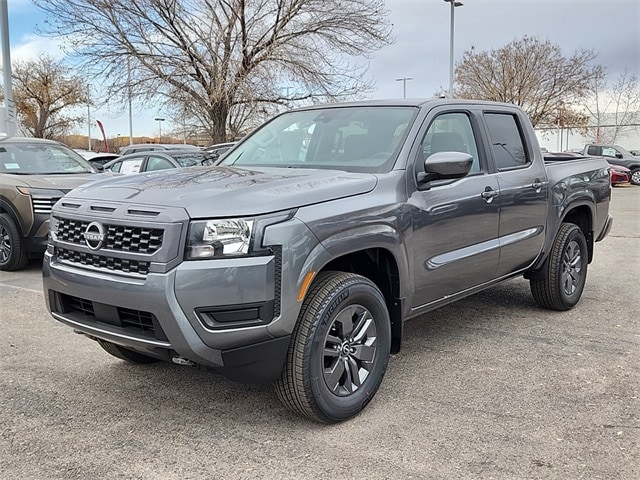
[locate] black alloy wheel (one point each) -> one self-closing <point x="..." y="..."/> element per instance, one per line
<point x="339" y="350"/>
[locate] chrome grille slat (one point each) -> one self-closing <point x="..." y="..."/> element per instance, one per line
<point x="43" y="205"/>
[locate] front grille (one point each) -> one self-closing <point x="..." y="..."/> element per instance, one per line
<point x="82" y="306"/>
<point x="43" y="205"/>
<point x="103" y="261"/>
<point x="136" y="319"/>
<point x="118" y="237"/>
<point x="140" y="321"/>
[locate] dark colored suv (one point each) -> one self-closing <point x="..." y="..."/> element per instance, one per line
<point x="34" y="175"/>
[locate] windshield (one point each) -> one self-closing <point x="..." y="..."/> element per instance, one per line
<point x="354" y="139"/>
<point x="41" y="158"/>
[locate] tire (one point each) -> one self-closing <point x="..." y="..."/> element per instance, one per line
<point x="125" y="354"/>
<point x="634" y="177"/>
<point x="339" y="351"/>
<point x="565" y="274"/>
<point x="13" y="255"/>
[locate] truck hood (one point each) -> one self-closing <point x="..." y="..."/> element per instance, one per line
<point x="229" y="191"/>
<point x="63" y="182"/>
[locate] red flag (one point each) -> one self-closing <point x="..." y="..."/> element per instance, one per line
<point x="104" y="137"/>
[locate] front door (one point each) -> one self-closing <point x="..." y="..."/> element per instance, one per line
<point x="454" y="240"/>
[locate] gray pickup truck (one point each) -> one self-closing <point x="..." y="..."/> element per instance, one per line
<point x="616" y="155"/>
<point x="297" y="259"/>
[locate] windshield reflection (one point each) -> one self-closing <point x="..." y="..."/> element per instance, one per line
<point x="353" y="139"/>
<point x="41" y="159"/>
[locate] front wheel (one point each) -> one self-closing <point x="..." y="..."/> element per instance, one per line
<point x="561" y="286"/>
<point x="635" y="176"/>
<point x="13" y="255"/>
<point x="339" y="351"/>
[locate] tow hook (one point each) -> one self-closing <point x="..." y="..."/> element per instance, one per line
<point x="180" y="360"/>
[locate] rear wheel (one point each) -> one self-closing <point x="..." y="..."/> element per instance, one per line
<point x="13" y="255"/>
<point x="125" y="354"/>
<point x="566" y="271"/>
<point x="635" y="176"/>
<point x="339" y="351"/>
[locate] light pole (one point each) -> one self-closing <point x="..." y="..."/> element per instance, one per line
<point x="454" y="4"/>
<point x="404" y="85"/>
<point x="159" y="120"/>
<point x="89" y="114"/>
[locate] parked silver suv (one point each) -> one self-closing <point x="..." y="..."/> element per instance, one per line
<point x="152" y="147"/>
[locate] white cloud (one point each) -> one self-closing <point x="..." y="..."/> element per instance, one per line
<point x="34" y="45"/>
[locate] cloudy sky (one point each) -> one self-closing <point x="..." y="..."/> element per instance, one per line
<point x="421" y="47"/>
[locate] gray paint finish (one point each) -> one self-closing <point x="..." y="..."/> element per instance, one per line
<point x="446" y="239"/>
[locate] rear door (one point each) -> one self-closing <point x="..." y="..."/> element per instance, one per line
<point x="523" y="185"/>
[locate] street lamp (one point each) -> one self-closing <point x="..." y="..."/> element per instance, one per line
<point x="404" y="85"/>
<point x="454" y="4"/>
<point x="159" y="120"/>
<point x="89" y="114"/>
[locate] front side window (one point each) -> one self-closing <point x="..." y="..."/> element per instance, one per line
<point x="451" y="132"/>
<point x="507" y="145"/>
<point x="355" y="139"/>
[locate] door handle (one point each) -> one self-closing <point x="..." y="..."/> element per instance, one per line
<point x="537" y="185"/>
<point x="489" y="194"/>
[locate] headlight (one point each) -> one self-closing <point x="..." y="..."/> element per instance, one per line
<point x="216" y="238"/>
<point x="231" y="236"/>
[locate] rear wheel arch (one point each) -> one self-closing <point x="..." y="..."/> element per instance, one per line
<point x="582" y="216"/>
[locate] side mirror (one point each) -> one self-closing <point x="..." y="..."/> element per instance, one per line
<point x="618" y="155"/>
<point x="445" y="165"/>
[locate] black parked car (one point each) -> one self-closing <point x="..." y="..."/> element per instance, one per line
<point x="159" y="160"/>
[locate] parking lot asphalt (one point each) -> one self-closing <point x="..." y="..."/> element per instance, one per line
<point x="491" y="387"/>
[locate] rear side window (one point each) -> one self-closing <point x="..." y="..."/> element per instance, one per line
<point x="592" y="150"/>
<point x="507" y="145"/>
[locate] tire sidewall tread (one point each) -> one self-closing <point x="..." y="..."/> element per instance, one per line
<point x="301" y="386"/>
<point x="548" y="291"/>
<point x="19" y="257"/>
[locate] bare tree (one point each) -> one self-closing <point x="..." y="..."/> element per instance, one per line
<point x="214" y="53"/>
<point x="530" y="73"/>
<point x="615" y="109"/>
<point x="44" y="92"/>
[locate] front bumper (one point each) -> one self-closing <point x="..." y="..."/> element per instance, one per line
<point x="215" y="313"/>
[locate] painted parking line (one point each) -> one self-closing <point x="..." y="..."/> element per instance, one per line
<point x="17" y="287"/>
